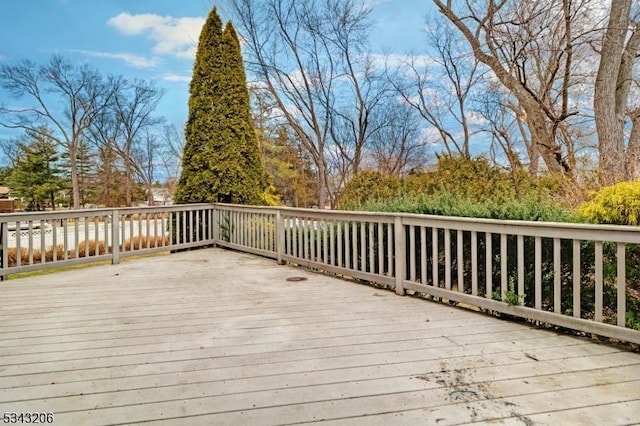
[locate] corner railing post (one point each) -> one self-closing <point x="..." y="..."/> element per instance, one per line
<point x="115" y="237"/>
<point x="400" y="254"/>
<point x="279" y="236"/>
<point x="215" y="224"/>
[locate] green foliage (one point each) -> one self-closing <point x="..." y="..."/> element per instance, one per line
<point x="531" y="208"/>
<point x="473" y="179"/>
<point x="618" y="204"/>
<point x="511" y="297"/>
<point x="368" y="185"/>
<point x="36" y="176"/>
<point x="221" y="160"/>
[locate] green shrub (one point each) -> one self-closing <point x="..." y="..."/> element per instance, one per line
<point x="618" y="204"/>
<point x="368" y="185"/>
<point x="531" y="208"/>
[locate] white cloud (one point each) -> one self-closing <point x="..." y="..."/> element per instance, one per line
<point x="135" y="61"/>
<point x="176" y="78"/>
<point x="172" y="36"/>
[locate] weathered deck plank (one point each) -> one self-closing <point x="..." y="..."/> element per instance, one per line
<point x="216" y="337"/>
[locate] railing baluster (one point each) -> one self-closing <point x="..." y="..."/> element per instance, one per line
<point x="423" y="255"/>
<point x="140" y="234"/>
<point x="54" y="234"/>
<point x="576" y="279"/>
<point x="317" y="230"/>
<point x="18" y="244"/>
<point x="474" y="263"/>
<point x="460" y="260"/>
<point x="503" y="267"/>
<point x="340" y="243"/>
<point x="87" y="240"/>
<point x="372" y="261"/>
<point x="347" y="246"/>
<point x="30" y="241"/>
<point x="390" y="262"/>
<point x="305" y="237"/>
<point x="622" y="283"/>
<point x="598" y="282"/>
<point x="520" y="261"/>
<point x="300" y="228"/>
<point x="332" y="242"/>
<point x="435" y="253"/>
<point x="132" y="232"/>
<point x="400" y="252"/>
<point x="412" y="253"/>
<point x="363" y="248"/>
<point x="65" y="244"/>
<point x="538" y="273"/>
<point x="43" y="245"/>
<point x="488" y="265"/>
<point x="115" y="231"/>
<point x="354" y="247"/>
<point x="447" y="259"/>
<point x="325" y="240"/>
<point x="380" y="269"/>
<point x="557" y="296"/>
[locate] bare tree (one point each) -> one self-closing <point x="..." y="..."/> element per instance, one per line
<point x="532" y="48"/>
<point x="61" y="96"/>
<point x="397" y="147"/>
<point x="440" y="87"/>
<point x="309" y="56"/>
<point x="125" y="125"/>
<point x="618" y="55"/>
<point x="11" y="150"/>
<point x="171" y="154"/>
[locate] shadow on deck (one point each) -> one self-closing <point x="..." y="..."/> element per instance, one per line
<point x="217" y="337"/>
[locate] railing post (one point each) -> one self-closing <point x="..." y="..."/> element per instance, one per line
<point x="279" y="236"/>
<point x="216" y="225"/>
<point x="115" y="237"/>
<point x="4" y="249"/>
<point x="400" y="254"/>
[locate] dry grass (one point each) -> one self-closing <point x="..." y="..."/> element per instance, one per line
<point x="95" y="248"/>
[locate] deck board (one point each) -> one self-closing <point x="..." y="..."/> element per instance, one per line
<point x="217" y="337"/>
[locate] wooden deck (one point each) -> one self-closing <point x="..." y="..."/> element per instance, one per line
<point x="216" y="337"/>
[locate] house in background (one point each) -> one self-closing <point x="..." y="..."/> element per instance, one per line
<point x="161" y="197"/>
<point x="6" y="202"/>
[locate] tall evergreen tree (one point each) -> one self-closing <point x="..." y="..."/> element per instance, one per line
<point x="221" y="161"/>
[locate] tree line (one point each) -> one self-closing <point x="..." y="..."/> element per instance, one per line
<point x="98" y="135"/>
<point x="541" y="87"/>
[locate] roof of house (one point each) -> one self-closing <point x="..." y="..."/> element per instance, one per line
<point x="4" y="190"/>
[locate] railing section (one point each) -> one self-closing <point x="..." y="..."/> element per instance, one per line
<point x="33" y="241"/>
<point x="582" y="277"/>
<point x="248" y="229"/>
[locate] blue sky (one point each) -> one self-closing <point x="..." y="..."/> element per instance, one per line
<point x="155" y="39"/>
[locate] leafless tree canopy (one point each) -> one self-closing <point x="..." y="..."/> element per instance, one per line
<point x="311" y="56"/>
<point x="62" y="97"/>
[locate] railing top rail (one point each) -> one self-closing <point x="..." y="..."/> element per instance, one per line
<point x="413" y="218"/>
<point x="62" y="214"/>
<point x="559" y="229"/>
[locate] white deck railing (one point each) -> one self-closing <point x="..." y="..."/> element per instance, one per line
<point x="582" y="277"/>
<point x="34" y="241"/>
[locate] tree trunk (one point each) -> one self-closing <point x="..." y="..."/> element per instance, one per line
<point x="75" y="185"/>
<point x="609" y="119"/>
<point x="322" y="184"/>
